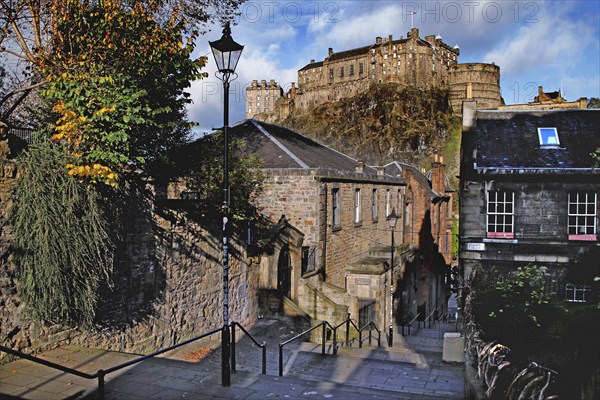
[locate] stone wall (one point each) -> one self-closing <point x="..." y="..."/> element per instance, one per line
<point x="167" y="286"/>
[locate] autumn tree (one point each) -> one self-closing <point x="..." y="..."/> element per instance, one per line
<point x="114" y="76"/>
<point x="28" y="29"/>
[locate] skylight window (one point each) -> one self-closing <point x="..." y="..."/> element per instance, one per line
<point x="548" y="136"/>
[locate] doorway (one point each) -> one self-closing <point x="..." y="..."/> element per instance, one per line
<point x="284" y="272"/>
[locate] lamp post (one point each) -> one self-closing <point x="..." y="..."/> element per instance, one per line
<point x="227" y="54"/>
<point x="392" y="220"/>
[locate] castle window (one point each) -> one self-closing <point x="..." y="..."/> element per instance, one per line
<point x="385" y="56"/>
<point x="341" y="72"/>
<point x="548" y="136"/>
<point x="330" y="73"/>
<point x="249" y="111"/>
<point x="394" y="55"/>
<point x="360" y="68"/>
<point x="351" y="69"/>
<point x="394" y="47"/>
<point x="500" y="214"/>
<point x="582" y="216"/>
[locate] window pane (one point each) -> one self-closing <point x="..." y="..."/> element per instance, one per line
<point x="572" y="208"/>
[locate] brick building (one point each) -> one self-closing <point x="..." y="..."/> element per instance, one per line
<point x="529" y="195"/>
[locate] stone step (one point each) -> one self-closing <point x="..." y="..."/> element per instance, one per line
<point x="401" y="355"/>
<point x="377" y="369"/>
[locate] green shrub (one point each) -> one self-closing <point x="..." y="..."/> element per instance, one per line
<point x="61" y="244"/>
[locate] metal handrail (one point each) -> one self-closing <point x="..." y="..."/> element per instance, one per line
<point x="349" y="321"/>
<point x="323" y="324"/>
<point x="262" y="345"/>
<point x="371" y="324"/>
<point x="100" y="374"/>
<point x="410" y="324"/>
<point x="429" y="318"/>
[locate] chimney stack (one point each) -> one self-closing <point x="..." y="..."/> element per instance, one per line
<point x="438" y="174"/>
<point x="360" y="167"/>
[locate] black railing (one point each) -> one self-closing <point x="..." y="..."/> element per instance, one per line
<point x="430" y="317"/>
<point x="262" y="345"/>
<point x="409" y="325"/>
<point x="323" y="324"/>
<point x="349" y="322"/>
<point x="100" y="374"/>
<point x="326" y="325"/>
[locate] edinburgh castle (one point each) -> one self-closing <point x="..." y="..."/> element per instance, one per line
<point x="427" y="63"/>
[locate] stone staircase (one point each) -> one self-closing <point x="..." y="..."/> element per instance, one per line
<point x="412" y="368"/>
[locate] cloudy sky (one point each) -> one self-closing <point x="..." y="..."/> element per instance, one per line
<point x="554" y="44"/>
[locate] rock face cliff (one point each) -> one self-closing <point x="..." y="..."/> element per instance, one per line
<point x="389" y="122"/>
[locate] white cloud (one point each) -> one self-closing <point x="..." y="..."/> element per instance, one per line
<point x="553" y="41"/>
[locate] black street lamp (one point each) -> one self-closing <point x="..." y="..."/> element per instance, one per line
<point x="392" y="220"/>
<point x="227" y="54"/>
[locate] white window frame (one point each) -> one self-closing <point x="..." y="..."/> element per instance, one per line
<point x="388" y="202"/>
<point x="497" y="215"/>
<point x="357" y="206"/>
<point x="336" y="220"/>
<point x="541" y="137"/>
<point x="572" y="291"/>
<point x="582" y="209"/>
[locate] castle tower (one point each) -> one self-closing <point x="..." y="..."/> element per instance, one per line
<point x="474" y="81"/>
<point x="261" y="97"/>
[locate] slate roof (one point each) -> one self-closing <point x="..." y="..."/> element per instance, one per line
<point x="280" y="147"/>
<point x="509" y="140"/>
<point x="312" y="65"/>
<point x="350" y="53"/>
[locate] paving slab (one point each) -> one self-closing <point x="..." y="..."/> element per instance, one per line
<point x="411" y="370"/>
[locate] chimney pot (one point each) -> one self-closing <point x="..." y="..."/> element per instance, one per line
<point x="330" y="51"/>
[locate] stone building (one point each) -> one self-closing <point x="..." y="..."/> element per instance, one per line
<point x="428" y="223"/>
<point x="547" y="101"/>
<point x="529" y="195"/>
<point x="328" y="251"/>
<point x="411" y="61"/>
<point x="264" y="96"/>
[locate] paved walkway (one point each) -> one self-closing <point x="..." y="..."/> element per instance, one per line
<point x="412" y="369"/>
